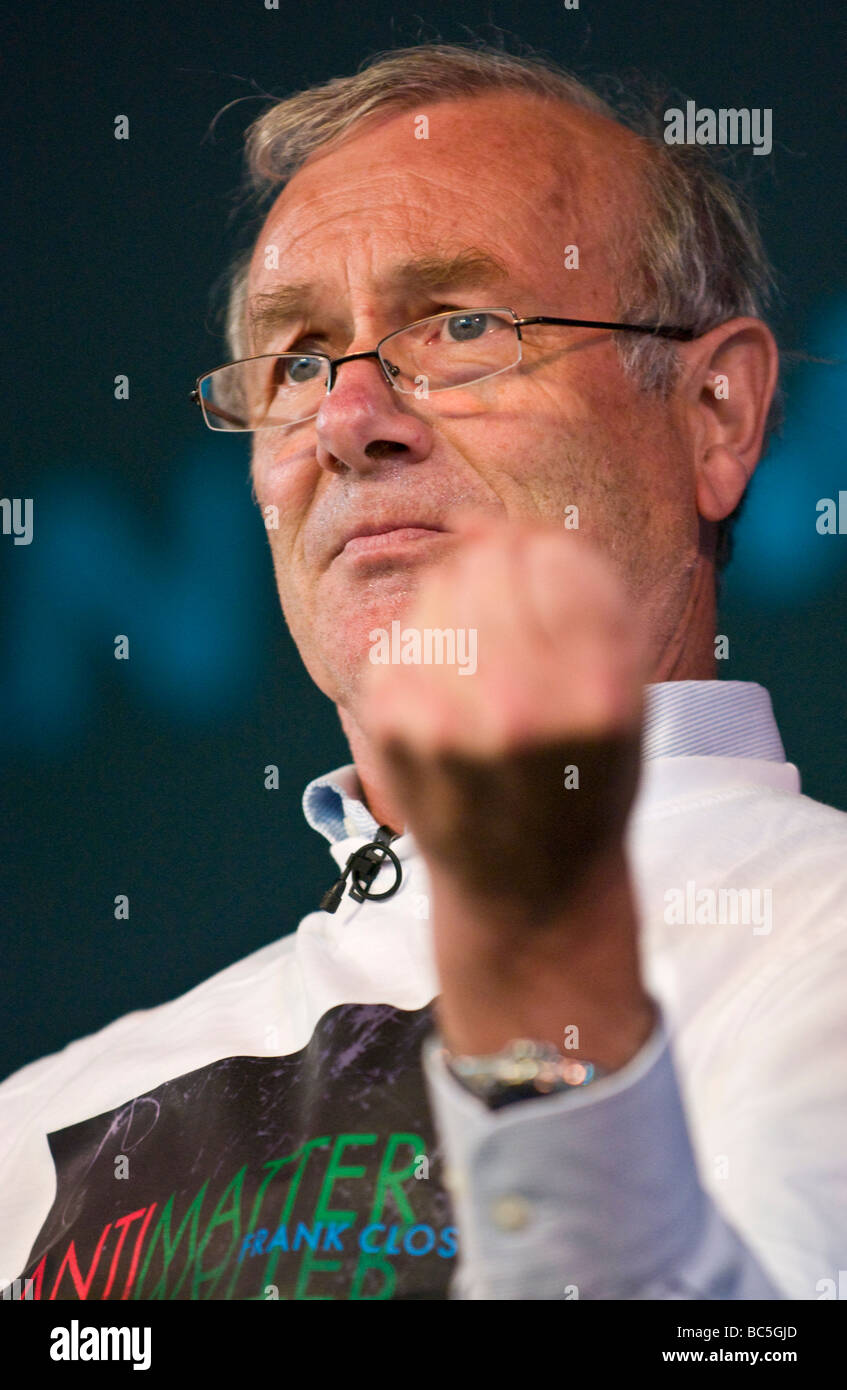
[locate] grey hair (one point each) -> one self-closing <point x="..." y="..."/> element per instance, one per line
<point x="699" y="258"/>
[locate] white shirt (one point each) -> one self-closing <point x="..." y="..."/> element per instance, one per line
<point x="713" y="1166"/>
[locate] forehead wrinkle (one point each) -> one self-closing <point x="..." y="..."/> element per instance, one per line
<point x="321" y="194"/>
<point x="292" y="205"/>
<point x="557" y="164"/>
<point x="551" y="175"/>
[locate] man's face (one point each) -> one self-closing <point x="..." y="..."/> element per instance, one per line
<point x="520" y="180"/>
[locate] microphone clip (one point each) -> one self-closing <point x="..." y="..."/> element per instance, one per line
<point x="363" y="866"/>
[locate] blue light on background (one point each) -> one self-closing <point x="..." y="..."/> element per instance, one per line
<point x="190" y="599"/>
<point x="780" y="558"/>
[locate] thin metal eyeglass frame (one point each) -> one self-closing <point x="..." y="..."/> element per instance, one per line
<point x="685" y="335"/>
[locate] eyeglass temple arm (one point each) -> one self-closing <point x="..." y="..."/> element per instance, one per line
<point x="684" y="335"/>
<point x="215" y="410"/>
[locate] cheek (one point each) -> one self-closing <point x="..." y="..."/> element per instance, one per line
<point x="283" y="462"/>
<point x="283" y="490"/>
<point x="283" y="485"/>
<point x="294" y="586"/>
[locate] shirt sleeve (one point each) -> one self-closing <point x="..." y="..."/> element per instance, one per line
<point x="591" y="1195"/>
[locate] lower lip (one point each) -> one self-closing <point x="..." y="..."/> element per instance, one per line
<point x="402" y="537"/>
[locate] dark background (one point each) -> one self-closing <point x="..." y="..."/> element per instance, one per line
<point x="146" y="777"/>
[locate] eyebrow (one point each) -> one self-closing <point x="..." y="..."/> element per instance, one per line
<point x="471" y="268"/>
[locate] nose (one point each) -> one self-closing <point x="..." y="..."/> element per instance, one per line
<point x="363" y="421"/>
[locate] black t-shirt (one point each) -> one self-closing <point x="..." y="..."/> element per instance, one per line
<point x="314" y="1175"/>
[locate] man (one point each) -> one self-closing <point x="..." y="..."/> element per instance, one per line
<point x="576" y="1031"/>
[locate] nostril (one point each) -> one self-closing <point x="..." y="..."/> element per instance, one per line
<point x="385" y="448"/>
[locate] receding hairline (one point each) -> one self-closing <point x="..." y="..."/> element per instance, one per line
<point x="391" y="108"/>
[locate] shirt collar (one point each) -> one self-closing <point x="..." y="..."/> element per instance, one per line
<point x="682" y="719"/>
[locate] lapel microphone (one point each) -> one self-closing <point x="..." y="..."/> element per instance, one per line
<point x="363" y="866"/>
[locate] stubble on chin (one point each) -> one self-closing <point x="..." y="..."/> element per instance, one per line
<point x="334" y="639"/>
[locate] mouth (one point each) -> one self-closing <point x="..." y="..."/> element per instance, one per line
<point x="370" y="540"/>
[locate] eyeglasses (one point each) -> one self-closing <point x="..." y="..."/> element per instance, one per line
<point x="456" y="348"/>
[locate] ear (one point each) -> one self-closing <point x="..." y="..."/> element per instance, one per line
<point x="727" y="386"/>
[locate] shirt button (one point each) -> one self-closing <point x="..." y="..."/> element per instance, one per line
<point x="511" y="1213"/>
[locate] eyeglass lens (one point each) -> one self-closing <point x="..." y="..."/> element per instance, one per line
<point x="437" y="354"/>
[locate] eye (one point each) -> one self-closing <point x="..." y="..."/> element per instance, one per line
<point x="294" y="371"/>
<point x="463" y="328"/>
